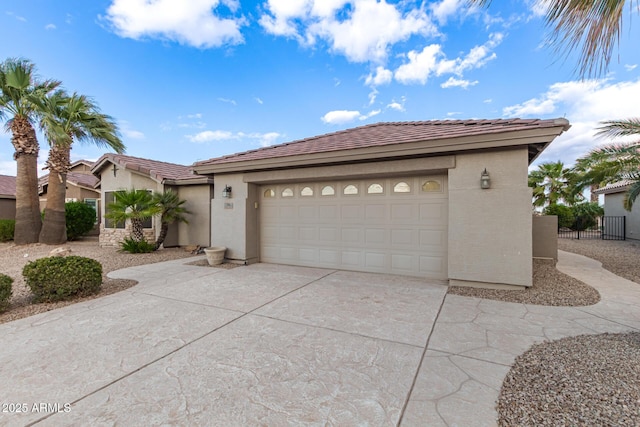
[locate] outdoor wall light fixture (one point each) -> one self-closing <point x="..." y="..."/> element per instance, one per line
<point x="485" y="180"/>
<point x="226" y="193"/>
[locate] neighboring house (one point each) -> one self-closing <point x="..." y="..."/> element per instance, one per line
<point x="120" y="172"/>
<point x="81" y="186"/>
<point x="397" y="198"/>
<point x="613" y="206"/>
<point x="7" y="197"/>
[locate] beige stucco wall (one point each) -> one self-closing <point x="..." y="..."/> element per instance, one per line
<point x="545" y="236"/>
<point x="7" y="208"/>
<point x="124" y="180"/>
<point x="613" y="207"/>
<point x="490" y="238"/>
<point x="198" y="202"/>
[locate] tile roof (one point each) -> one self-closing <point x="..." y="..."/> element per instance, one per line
<point x="159" y="171"/>
<point x="390" y="133"/>
<point x="83" y="179"/>
<point x="8" y="186"/>
<point x="616" y="187"/>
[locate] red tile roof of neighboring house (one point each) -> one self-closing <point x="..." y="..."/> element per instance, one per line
<point x="8" y="186"/>
<point x="392" y="133"/>
<point x="159" y="171"/>
<point x="82" y="179"/>
<point x="616" y="187"/>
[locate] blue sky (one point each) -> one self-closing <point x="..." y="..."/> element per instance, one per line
<point x="189" y="80"/>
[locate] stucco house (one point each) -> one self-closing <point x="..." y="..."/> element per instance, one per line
<point x="436" y="199"/>
<point x="120" y="172"/>
<point x="613" y="206"/>
<point x="7" y="197"/>
<point x="81" y="186"/>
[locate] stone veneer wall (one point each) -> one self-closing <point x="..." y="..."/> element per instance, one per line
<point x="114" y="236"/>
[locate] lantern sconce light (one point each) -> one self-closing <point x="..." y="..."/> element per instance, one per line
<point x="226" y="193"/>
<point x="485" y="180"/>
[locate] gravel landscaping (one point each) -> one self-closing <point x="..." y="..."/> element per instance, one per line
<point x="588" y="380"/>
<point x="550" y="287"/>
<point x="13" y="258"/>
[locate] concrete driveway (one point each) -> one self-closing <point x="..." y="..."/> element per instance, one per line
<point x="275" y="345"/>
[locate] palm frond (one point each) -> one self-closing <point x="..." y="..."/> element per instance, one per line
<point x="618" y="128"/>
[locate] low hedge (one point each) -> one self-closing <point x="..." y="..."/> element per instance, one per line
<point x="7" y="229"/>
<point x="5" y="291"/>
<point x="61" y="278"/>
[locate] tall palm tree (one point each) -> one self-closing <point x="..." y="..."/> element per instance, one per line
<point x="135" y="206"/>
<point x="18" y="88"/>
<point x="591" y="25"/>
<point x="171" y="210"/>
<point x="552" y="183"/>
<point x="64" y="120"/>
<point x="614" y="162"/>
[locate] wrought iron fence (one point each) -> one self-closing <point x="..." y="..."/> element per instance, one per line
<point x="603" y="227"/>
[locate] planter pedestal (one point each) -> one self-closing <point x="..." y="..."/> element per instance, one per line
<point x="215" y="254"/>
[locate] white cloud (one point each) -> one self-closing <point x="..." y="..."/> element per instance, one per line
<point x="585" y="104"/>
<point x="398" y="106"/>
<point x="228" y="101"/>
<point x="361" y="30"/>
<point x="191" y="22"/>
<point x="420" y="66"/>
<point x="488" y="101"/>
<point x="630" y="67"/>
<point x="211" y="135"/>
<point x="539" y="7"/>
<point x="50" y="27"/>
<point x="259" y="100"/>
<point x="446" y="8"/>
<point x="382" y="76"/>
<point x="432" y="61"/>
<point x="340" y="116"/>
<point x="132" y="134"/>
<point x="18" y="17"/>
<point x="453" y="82"/>
<point x="263" y="139"/>
<point x="194" y="116"/>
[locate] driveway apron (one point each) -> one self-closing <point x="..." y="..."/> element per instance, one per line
<point x="279" y="345"/>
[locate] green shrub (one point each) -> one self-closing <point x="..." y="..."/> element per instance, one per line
<point x="133" y="247"/>
<point x="7" y="228"/>
<point x="564" y="214"/>
<point x="61" y="278"/>
<point x="586" y="215"/>
<point x="80" y="219"/>
<point x="5" y="291"/>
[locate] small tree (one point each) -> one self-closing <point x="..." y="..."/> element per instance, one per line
<point x="171" y="210"/>
<point x="135" y="206"/>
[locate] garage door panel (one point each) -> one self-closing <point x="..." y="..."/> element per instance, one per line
<point x="397" y="232"/>
<point x="376" y="236"/>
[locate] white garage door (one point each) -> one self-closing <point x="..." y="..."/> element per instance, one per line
<point x="396" y="226"/>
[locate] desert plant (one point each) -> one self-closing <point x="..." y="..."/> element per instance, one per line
<point x="5" y="291"/>
<point x="61" y="278"/>
<point x="137" y="247"/>
<point x="80" y="219"/>
<point x="171" y="210"/>
<point x="135" y="206"/>
<point x="7" y="228"/>
<point x="564" y="214"/>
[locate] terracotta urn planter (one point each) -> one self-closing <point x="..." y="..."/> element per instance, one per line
<point x="215" y="254"/>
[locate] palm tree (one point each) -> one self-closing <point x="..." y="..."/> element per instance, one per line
<point x="135" y="206"/>
<point x="18" y="89"/>
<point x="591" y="25"/>
<point x="552" y="183"/>
<point x="64" y="120"/>
<point x="617" y="162"/>
<point x="171" y="210"/>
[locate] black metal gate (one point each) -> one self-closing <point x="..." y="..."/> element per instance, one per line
<point x="603" y="227"/>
